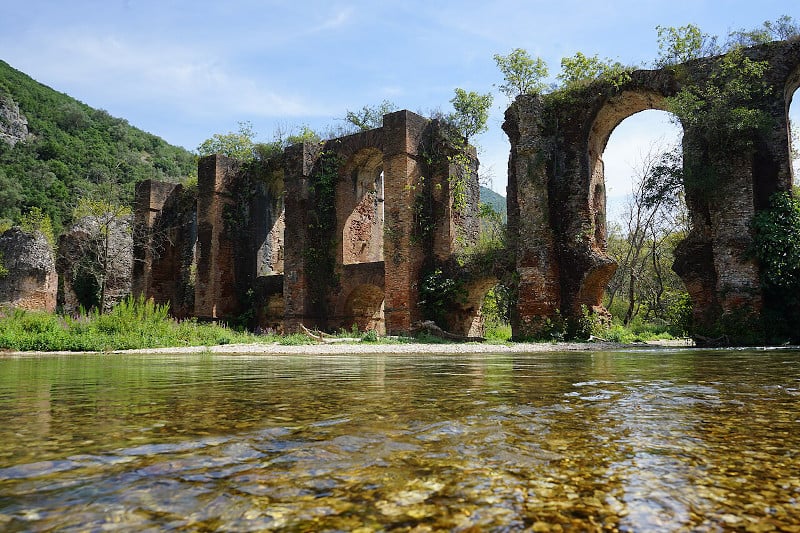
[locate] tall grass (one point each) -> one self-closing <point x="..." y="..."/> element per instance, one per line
<point x="135" y="323"/>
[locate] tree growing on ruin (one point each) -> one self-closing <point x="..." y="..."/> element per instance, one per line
<point x="238" y="145"/>
<point x="682" y="44"/>
<point x="100" y="256"/>
<point x="471" y="112"/>
<point x="369" y="117"/>
<point x="522" y="73"/>
<point x="781" y="29"/>
<point x="580" y="69"/>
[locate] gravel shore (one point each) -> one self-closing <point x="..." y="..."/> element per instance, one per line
<point x="349" y="348"/>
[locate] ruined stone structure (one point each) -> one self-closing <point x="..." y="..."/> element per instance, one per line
<point x="326" y="235"/>
<point x="343" y="232"/>
<point x="86" y="254"/>
<point x="556" y="191"/>
<point x="30" y="280"/>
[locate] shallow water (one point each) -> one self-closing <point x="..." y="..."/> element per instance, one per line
<point x="634" y="441"/>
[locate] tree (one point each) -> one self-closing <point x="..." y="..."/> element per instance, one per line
<point x="783" y="28"/>
<point x="471" y="112"/>
<point x="682" y="44"/>
<point x="580" y="69"/>
<point x="776" y="244"/>
<point x="655" y="223"/>
<point x="370" y="117"/>
<point x="104" y="250"/>
<point x="522" y="73"/>
<point x="36" y="220"/>
<point x="238" y="145"/>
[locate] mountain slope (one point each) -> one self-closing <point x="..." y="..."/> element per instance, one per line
<point x="71" y="151"/>
<point x="497" y="201"/>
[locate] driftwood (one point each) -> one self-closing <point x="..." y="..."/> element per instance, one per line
<point x="430" y="327"/>
<point x="325" y="338"/>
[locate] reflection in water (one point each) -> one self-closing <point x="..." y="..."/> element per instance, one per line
<point x="659" y="440"/>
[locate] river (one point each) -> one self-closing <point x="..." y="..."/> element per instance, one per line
<point x="635" y="440"/>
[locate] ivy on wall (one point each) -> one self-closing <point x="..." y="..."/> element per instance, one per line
<point x="320" y="258"/>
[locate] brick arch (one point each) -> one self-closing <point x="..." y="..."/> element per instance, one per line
<point x="359" y="207"/>
<point x="555" y="193"/>
<point x="364" y="307"/>
<point x="613" y="112"/>
<point x="466" y="319"/>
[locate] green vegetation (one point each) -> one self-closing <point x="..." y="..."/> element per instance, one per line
<point x="133" y="324"/>
<point x="73" y="152"/>
<point x="471" y="112"/>
<point x="777" y="247"/>
<point x="522" y="73"/>
<point x="369" y="117"/>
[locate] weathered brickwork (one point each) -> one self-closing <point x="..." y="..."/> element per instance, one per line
<point x="253" y="241"/>
<point x="556" y="192"/>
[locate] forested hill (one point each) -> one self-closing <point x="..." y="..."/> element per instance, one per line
<point x="497" y="201"/>
<point x="55" y="150"/>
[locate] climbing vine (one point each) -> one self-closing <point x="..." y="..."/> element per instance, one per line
<point x="319" y="253"/>
<point x="720" y="111"/>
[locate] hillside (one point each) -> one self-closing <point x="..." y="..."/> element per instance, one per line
<point x="55" y="149"/>
<point x="495" y="200"/>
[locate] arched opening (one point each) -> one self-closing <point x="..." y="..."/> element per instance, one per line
<point x="359" y="199"/>
<point x="364" y="309"/>
<point x="269" y="256"/>
<point x="495" y="312"/>
<point x="641" y="168"/>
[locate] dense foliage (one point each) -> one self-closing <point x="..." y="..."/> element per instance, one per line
<point x="777" y="247"/>
<point x="75" y="151"/>
<point x="133" y="324"/>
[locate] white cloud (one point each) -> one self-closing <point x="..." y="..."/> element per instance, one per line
<point x="188" y="79"/>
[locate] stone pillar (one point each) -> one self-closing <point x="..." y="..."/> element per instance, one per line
<point x="714" y="261"/>
<point x="529" y="220"/>
<point x="149" y="199"/>
<point x="299" y="162"/>
<point x="215" y="289"/>
<point x="403" y="255"/>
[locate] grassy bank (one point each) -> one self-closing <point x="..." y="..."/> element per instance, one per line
<point x="133" y="324"/>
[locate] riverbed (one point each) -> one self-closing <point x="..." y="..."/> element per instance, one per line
<point x="667" y="439"/>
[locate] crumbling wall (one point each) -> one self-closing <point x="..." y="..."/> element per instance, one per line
<point x="164" y="253"/>
<point x="344" y="227"/>
<point x="556" y="194"/>
<point x="87" y="258"/>
<point x="29" y="279"/>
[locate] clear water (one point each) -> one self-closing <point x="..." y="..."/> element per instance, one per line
<point x="633" y="441"/>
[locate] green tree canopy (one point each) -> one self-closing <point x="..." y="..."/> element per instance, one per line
<point x="522" y="73"/>
<point x="580" y="69"/>
<point x="370" y="117"/>
<point x="238" y="145"/>
<point x="471" y="112"/>
<point x="678" y="45"/>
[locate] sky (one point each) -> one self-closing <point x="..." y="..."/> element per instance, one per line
<point x="185" y="70"/>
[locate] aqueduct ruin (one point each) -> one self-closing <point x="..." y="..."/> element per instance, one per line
<point x="340" y="233"/>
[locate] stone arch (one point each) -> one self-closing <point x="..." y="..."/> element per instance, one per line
<point x="360" y="208"/>
<point x="466" y="319"/>
<point x="612" y="114"/>
<point x="364" y="307"/>
<point x="614" y="110"/>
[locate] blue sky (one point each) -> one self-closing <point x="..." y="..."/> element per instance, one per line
<point x="185" y="70"/>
